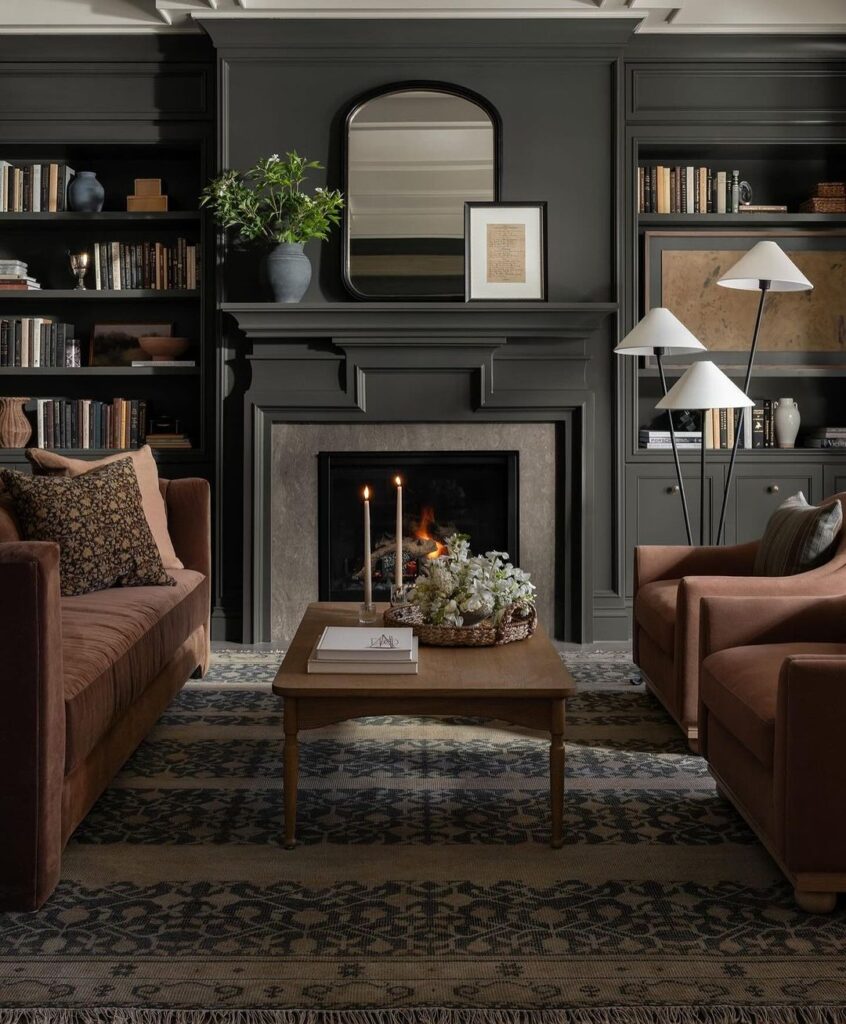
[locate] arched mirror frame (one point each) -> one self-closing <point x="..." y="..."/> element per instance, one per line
<point x="388" y="90"/>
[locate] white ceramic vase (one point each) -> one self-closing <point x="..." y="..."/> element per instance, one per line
<point x="787" y="420"/>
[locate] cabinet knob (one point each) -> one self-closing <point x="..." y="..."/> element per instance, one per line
<point x="673" y="490"/>
<point x="773" y="489"/>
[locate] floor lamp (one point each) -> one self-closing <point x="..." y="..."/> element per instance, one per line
<point x="704" y="386"/>
<point x="765" y="268"/>
<point x="659" y="333"/>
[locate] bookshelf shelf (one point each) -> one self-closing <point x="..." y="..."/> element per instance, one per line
<point x="99" y="371"/>
<point x="95" y="295"/>
<point x="738" y="370"/>
<point x="705" y="220"/>
<point x="16" y="455"/>
<point x="111" y="217"/>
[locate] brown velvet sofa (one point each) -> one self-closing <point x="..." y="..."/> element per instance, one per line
<point x="772" y="722"/>
<point x="84" y="679"/>
<point x="669" y="584"/>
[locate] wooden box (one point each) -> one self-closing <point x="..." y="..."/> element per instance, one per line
<point x="146" y="204"/>
<point x="148" y="186"/>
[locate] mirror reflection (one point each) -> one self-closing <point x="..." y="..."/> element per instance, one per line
<point x="414" y="157"/>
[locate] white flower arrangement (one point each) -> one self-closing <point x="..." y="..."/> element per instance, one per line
<point x="460" y="589"/>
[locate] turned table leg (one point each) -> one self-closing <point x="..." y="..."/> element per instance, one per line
<point x="291" y="772"/>
<point x="556" y="773"/>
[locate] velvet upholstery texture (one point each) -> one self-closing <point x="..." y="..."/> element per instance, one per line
<point x="772" y="721"/>
<point x="84" y="679"/>
<point x="696" y="573"/>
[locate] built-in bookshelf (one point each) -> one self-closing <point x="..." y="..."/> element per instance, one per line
<point x="146" y="268"/>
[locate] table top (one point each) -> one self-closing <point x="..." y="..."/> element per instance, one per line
<point x="526" y="669"/>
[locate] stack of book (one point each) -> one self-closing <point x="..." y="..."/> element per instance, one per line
<point x="86" y="423"/>
<point x="14" y="276"/>
<point x="34" y="187"/>
<point x="167" y="440"/>
<point x="34" y="341"/>
<point x="152" y="265"/>
<point x="826" y="437"/>
<point x="828" y="197"/>
<point x="687" y="440"/>
<point x="359" y="650"/>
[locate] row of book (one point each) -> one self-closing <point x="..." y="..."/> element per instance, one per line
<point x="34" y="187"/>
<point x="826" y="437"/>
<point x="31" y="341"/>
<point x="757" y="430"/>
<point x="15" y="276"/>
<point x="87" y="423"/>
<point x="353" y="650"/>
<point x="152" y="265"/>
<point x="688" y="189"/>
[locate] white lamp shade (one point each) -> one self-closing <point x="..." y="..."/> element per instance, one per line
<point x="658" y="329"/>
<point x="766" y="261"/>
<point x="704" y="386"/>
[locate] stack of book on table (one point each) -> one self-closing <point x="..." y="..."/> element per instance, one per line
<point x="347" y="650"/>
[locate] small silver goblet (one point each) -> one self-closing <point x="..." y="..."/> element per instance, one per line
<point x="79" y="262"/>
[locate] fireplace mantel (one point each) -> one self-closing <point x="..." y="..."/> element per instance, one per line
<point x="277" y="322"/>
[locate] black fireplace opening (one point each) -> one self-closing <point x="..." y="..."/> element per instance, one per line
<point x="470" y="492"/>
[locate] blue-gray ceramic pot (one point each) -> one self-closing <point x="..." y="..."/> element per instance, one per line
<point x="85" y="193"/>
<point x="289" y="272"/>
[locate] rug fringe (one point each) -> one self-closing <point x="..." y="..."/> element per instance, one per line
<point x="604" y="1015"/>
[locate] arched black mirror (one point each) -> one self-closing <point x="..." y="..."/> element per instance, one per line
<point x="415" y="153"/>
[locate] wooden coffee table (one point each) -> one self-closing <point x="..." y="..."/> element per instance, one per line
<point x="524" y="683"/>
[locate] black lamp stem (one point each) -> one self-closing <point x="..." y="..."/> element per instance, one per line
<point x="765" y="287"/>
<point x="659" y="354"/>
<point x="702" y="483"/>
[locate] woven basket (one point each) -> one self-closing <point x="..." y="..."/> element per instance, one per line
<point x="824" y="204"/>
<point x="513" y="625"/>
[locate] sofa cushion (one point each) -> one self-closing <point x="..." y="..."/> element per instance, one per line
<point x="114" y="643"/>
<point x="798" y="537"/>
<point x="655" y="611"/>
<point x="740" y="687"/>
<point x="49" y="463"/>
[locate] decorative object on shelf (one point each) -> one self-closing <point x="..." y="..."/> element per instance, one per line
<point x="163" y="348"/>
<point x="464" y="600"/>
<point x="658" y="333"/>
<point x="118" y="344"/>
<point x="265" y="204"/>
<point x="85" y="193"/>
<point x="404" y="226"/>
<point x="15" y="428"/>
<point x="400" y="593"/>
<point x="73" y="353"/>
<point x="79" y="262"/>
<point x="505" y="251"/>
<point x="787" y="421"/>
<point x="764" y="268"/>
<point x="147" y="197"/>
<point x="704" y="386"/>
<point x="828" y="197"/>
<point x="746" y="194"/>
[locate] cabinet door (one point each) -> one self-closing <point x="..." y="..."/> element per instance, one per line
<point x="834" y="480"/>
<point x="757" y="491"/>
<point x="654" y="510"/>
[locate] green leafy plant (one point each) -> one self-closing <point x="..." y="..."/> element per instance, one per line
<point x="266" y="205"/>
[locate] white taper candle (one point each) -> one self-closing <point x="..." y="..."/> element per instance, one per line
<point x="368" y="579"/>
<point x="399" y="558"/>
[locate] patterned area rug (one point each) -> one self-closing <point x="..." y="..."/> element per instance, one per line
<point x="423" y="887"/>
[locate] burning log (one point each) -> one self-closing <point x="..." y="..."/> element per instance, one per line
<point x="414" y="549"/>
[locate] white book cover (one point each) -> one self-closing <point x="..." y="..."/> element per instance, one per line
<point x="691" y="191"/>
<point x="39" y="421"/>
<point x="721" y="192"/>
<point x="25" y="356"/>
<point x="364" y="643"/>
<point x="97" y="279"/>
<point x="36" y="188"/>
<point x="358" y="667"/>
<point x="35" y="340"/>
<point x="86" y="423"/>
<point x="4" y="185"/>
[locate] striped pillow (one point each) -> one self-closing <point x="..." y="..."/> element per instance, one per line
<point x="798" y="537"/>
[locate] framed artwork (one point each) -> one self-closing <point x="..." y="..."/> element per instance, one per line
<point x="116" y="344"/>
<point x="681" y="270"/>
<point x="505" y="252"/>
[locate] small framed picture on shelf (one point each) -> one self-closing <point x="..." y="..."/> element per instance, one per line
<point x="116" y="344"/>
<point x="505" y="252"/>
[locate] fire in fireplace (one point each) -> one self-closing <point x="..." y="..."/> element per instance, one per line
<point x="472" y="492"/>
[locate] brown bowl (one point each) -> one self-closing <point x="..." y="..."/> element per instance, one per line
<point x="159" y="348"/>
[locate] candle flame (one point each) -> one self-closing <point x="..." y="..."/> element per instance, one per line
<point x="398" y="481"/>
<point x="366" y="493"/>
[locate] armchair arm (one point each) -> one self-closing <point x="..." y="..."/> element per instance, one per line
<point x="741" y="621"/>
<point x="188" y="504"/>
<point x="32" y="726"/>
<point x="809" y="767"/>
<point x="659" y="562"/>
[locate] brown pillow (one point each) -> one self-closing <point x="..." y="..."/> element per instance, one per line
<point x="47" y="463"/>
<point x="798" y="537"/>
<point x="98" y="522"/>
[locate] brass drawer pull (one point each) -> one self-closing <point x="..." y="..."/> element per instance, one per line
<point x="673" y="490"/>
<point x="773" y="489"/>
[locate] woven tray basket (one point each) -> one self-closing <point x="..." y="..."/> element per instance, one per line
<point x="513" y="625"/>
<point x="824" y="204"/>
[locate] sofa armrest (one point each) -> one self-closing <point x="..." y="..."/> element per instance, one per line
<point x="740" y="621"/>
<point x="809" y="767"/>
<point x="188" y="504"/>
<point x="32" y="726"/>
<point x="654" y="562"/>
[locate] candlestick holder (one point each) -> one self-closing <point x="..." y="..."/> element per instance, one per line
<point x="79" y="262"/>
<point x="367" y="613"/>
<point x="399" y="594"/>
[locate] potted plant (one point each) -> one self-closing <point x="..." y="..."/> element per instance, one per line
<point x="266" y="206"/>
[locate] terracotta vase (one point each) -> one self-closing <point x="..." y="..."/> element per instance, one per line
<point x="15" y="429"/>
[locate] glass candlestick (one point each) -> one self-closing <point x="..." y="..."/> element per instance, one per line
<point x="399" y="594"/>
<point x="367" y="613"/>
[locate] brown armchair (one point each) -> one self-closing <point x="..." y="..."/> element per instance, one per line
<point x="771" y="725"/>
<point x="670" y="583"/>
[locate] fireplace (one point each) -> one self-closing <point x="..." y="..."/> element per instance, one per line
<point x="444" y="492"/>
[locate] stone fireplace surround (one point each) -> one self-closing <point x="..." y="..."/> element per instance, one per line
<point x="416" y="376"/>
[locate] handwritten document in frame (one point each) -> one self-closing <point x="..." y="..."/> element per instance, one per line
<point x="506" y="254"/>
<point x="505" y="251"/>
